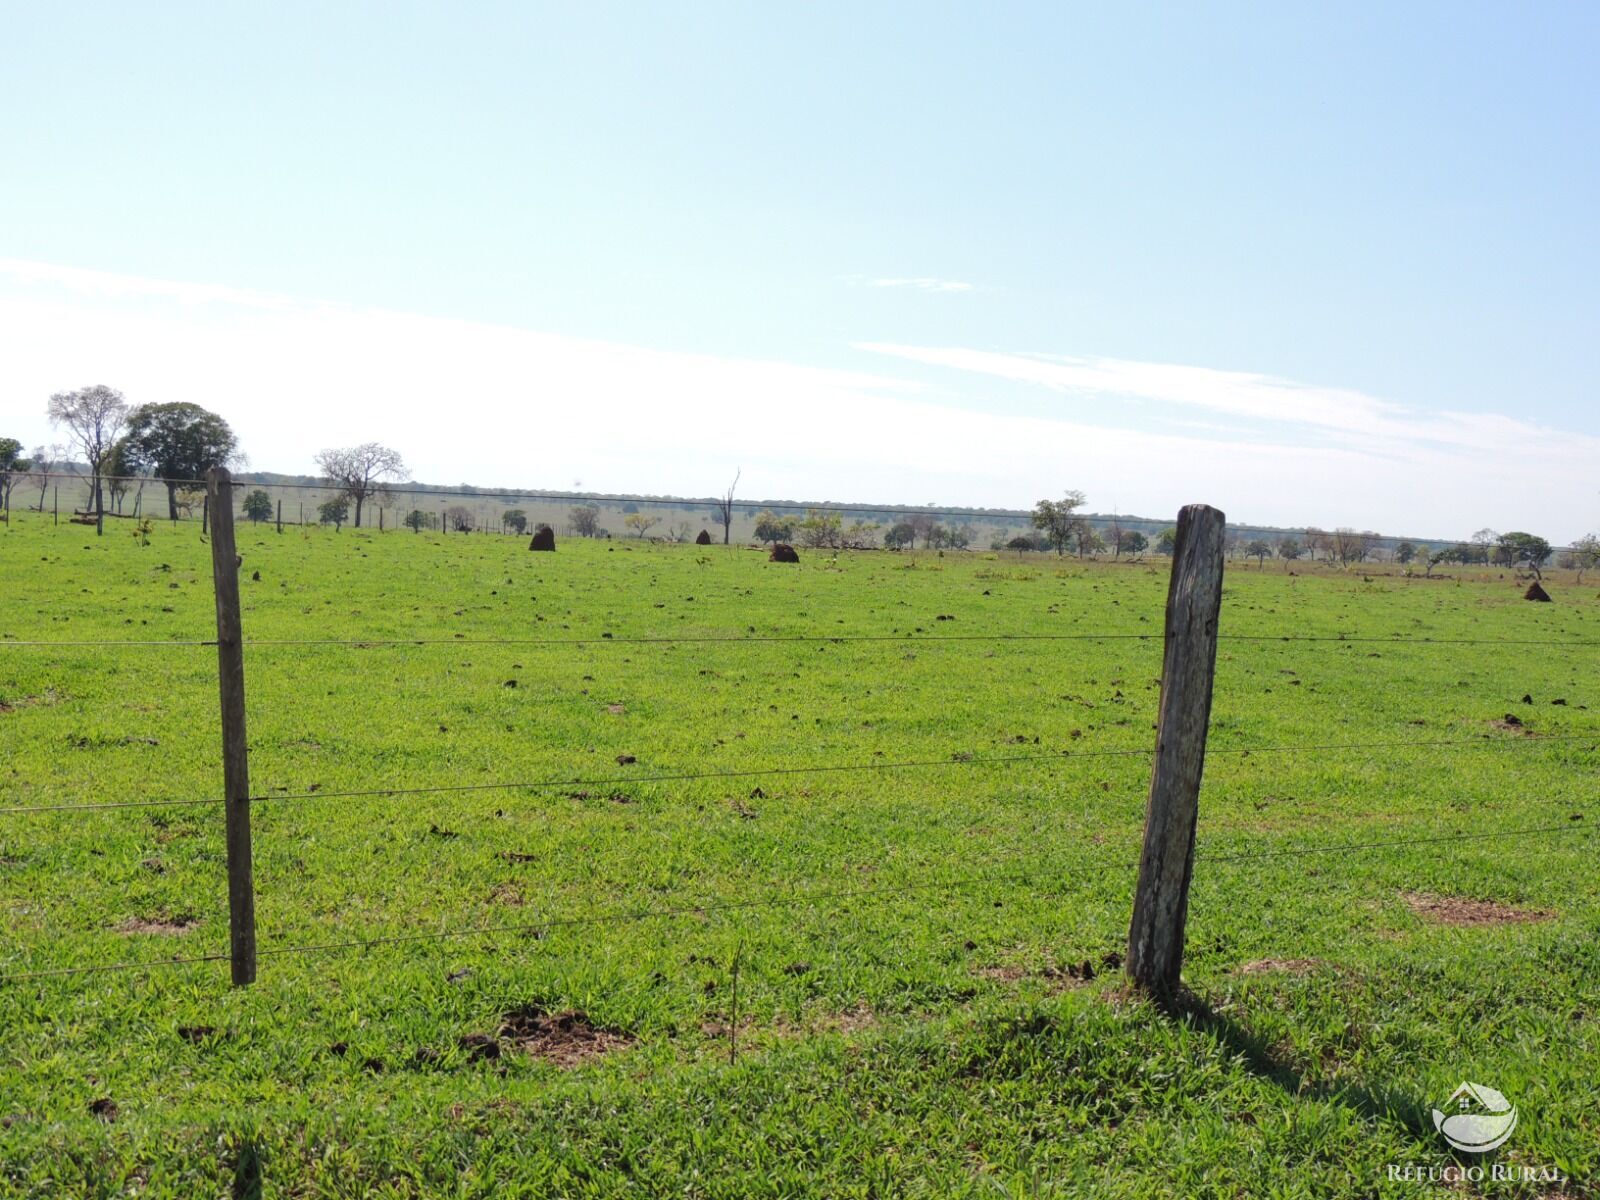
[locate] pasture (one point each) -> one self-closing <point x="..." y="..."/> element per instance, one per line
<point x="915" y="838"/>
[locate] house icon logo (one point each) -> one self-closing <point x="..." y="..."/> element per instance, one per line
<point x="1480" y="1118"/>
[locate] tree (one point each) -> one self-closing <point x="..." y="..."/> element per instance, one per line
<point x="1405" y="552"/>
<point x="1057" y="519"/>
<point x="95" y="417"/>
<point x="459" y="519"/>
<point x="899" y="536"/>
<point x="514" y="520"/>
<point x="416" y="520"/>
<point x="724" y="508"/>
<point x="640" y="523"/>
<point x="1515" y="549"/>
<point x="585" y="519"/>
<point x="334" y="512"/>
<point x="1289" y="549"/>
<point x="1167" y="542"/>
<point x="1259" y="549"/>
<point x="770" y="527"/>
<point x="821" y="529"/>
<point x="1129" y="541"/>
<point x="258" y="506"/>
<point x="1586" y="554"/>
<point x="12" y="467"/>
<point x="178" y="443"/>
<point x="358" y="471"/>
<point x="1481" y="546"/>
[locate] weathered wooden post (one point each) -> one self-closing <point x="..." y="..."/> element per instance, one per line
<point x="1161" y="901"/>
<point x="235" y="748"/>
<point x="280" y="514"/>
<point x="205" y="510"/>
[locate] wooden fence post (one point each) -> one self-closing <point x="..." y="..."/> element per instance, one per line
<point x="1161" y="901"/>
<point x="235" y="748"/>
<point x="280" y="514"/>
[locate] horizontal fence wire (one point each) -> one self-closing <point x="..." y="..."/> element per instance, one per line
<point x="1030" y="875"/>
<point x="955" y="760"/>
<point x="1395" y="639"/>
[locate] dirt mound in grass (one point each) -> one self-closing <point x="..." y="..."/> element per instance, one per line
<point x="1458" y="910"/>
<point x="543" y="539"/>
<point x="1535" y="592"/>
<point x="783" y="552"/>
<point x="704" y="539"/>
<point x="565" y="1038"/>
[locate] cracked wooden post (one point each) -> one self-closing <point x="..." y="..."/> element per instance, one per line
<point x="235" y="748"/>
<point x="1161" y="901"/>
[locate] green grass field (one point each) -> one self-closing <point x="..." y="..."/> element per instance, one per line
<point x="914" y="1013"/>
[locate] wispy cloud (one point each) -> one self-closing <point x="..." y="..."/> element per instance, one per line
<point x="1284" y="407"/>
<point x="491" y="403"/>
<point x="920" y="283"/>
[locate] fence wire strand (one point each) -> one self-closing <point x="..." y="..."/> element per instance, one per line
<point x="817" y="769"/>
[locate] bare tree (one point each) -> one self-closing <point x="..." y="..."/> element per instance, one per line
<point x="95" y="417"/>
<point x="723" y="509"/>
<point x="585" y="519"/>
<point x="358" y="471"/>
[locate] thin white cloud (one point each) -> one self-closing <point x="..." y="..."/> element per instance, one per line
<point x="465" y="401"/>
<point x="923" y="284"/>
<point x="1296" y="409"/>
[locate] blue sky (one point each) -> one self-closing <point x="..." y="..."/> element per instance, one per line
<point x="1330" y="264"/>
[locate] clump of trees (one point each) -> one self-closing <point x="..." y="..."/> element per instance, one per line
<point x="514" y="520"/>
<point x="584" y="519"/>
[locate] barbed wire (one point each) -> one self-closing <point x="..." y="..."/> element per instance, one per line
<point x="1395" y="639"/>
<point x="957" y="759"/>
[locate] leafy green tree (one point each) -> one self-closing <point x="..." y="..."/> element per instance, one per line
<point x="1260" y="550"/>
<point x="258" y="506"/>
<point x="334" y="512"/>
<point x="770" y="527"/>
<point x="1515" y="549"/>
<point x="1134" y="542"/>
<point x="12" y="467"/>
<point x="178" y="442"/>
<point x="1586" y="554"/>
<point x="1167" y="542"/>
<point x="416" y="520"/>
<point x="1405" y="552"/>
<point x="515" y="520"/>
<point x="899" y="536"/>
<point x="1058" y="520"/>
<point x="1289" y="549"/>
<point x="820" y="529"/>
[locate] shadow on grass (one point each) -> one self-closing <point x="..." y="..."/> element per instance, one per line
<point x="1193" y="1011"/>
<point x="247" y="1171"/>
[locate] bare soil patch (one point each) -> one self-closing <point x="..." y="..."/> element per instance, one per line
<point x="1458" y="910"/>
<point x="1288" y="966"/>
<point x="566" y="1038"/>
<point x="161" y="926"/>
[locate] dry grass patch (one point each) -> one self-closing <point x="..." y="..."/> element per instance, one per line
<point x="1458" y="910"/>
